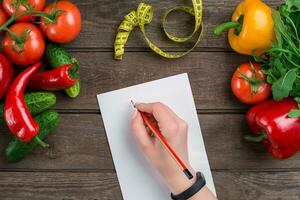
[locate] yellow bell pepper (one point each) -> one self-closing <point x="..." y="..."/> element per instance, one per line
<point x="251" y="28"/>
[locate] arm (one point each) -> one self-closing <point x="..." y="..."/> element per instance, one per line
<point x="175" y="131"/>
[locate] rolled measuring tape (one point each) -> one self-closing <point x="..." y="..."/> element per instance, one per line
<point x="143" y="16"/>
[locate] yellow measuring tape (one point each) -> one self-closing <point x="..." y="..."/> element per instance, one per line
<point x="143" y="15"/>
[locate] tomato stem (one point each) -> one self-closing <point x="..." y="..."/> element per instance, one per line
<point x="254" y="81"/>
<point x="13" y="18"/>
<point x="11" y="34"/>
<point x="48" y="17"/>
<point x="54" y="14"/>
<point x="20" y="40"/>
<point x="17" y="4"/>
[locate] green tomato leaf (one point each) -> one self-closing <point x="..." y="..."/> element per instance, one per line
<point x="294" y="113"/>
<point x="283" y="86"/>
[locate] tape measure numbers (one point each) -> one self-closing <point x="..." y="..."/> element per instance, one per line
<point x="143" y="16"/>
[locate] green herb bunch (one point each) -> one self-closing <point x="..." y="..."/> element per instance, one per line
<point x="281" y="62"/>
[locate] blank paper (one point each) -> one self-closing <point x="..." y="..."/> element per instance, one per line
<point x="137" y="179"/>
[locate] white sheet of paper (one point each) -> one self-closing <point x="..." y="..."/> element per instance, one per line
<point x="137" y="179"/>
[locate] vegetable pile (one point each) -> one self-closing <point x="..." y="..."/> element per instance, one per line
<point x="272" y="83"/>
<point x="33" y="34"/>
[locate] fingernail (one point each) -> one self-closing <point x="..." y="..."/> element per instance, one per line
<point x="134" y="114"/>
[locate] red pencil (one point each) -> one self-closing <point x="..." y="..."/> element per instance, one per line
<point x="165" y="144"/>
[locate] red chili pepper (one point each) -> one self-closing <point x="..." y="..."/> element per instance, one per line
<point x="271" y="125"/>
<point x="53" y="80"/>
<point x="6" y="74"/>
<point x="16" y="112"/>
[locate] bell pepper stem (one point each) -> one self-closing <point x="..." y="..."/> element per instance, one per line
<point x="237" y="25"/>
<point x="259" y="138"/>
<point x="218" y="30"/>
<point x="40" y="142"/>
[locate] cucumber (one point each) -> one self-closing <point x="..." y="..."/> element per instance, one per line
<point x="17" y="150"/>
<point x="58" y="56"/>
<point x="37" y="102"/>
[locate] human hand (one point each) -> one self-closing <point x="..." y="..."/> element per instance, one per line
<point x="175" y="131"/>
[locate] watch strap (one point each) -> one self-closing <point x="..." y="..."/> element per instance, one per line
<point x="196" y="187"/>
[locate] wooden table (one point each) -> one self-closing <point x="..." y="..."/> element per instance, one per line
<point x="79" y="164"/>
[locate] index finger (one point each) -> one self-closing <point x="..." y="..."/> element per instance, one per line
<point x="159" y="111"/>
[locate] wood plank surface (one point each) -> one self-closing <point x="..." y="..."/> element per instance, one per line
<point x="210" y="74"/>
<point x="59" y="186"/>
<point x="257" y="185"/>
<point x="104" y="185"/>
<point x="79" y="166"/>
<point x="79" y="143"/>
<point x="102" y="17"/>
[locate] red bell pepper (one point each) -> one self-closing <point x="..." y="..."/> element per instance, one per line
<point x="54" y="80"/>
<point x="6" y="74"/>
<point x="16" y="112"/>
<point x="271" y="125"/>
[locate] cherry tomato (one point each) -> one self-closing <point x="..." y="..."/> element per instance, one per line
<point x="9" y="8"/>
<point x="65" y="25"/>
<point x="249" y="85"/>
<point x="29" y="46"/>
<point x="6" y="74"/>
<point x="3" y="16"/>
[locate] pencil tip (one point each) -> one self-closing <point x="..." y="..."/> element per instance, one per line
<point x="132" y="102"/>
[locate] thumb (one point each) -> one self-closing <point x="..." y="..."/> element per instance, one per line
<point x="140" y="133"/>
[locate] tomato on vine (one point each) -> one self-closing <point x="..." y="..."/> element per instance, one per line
<point x="23" y="44"/>
<point x="23" y="5"/>
<point x="248" y="84"/>
<point x="63" y="23"/>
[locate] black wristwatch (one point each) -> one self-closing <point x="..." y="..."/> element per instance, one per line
<point x="200" y="183"/>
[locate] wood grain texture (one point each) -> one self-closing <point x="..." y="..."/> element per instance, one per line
<point x="102" y="17"/>
<point x="80" y="143"/>
<point x="210" y="74"/>
<point x="59" y="186"/>
<point x="257" y="185"/>
<point x="104" y="185"/>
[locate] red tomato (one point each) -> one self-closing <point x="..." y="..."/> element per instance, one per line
<point x="9" y="8"/>
<point x="66" y="26"/>
<point x="3" y="16"/>
<point x="6" y="74"/>
<point x="248" y="84"/>
<point x="28" y="51"/>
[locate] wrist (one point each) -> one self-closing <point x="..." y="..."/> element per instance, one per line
<point x="179" y="182"/>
